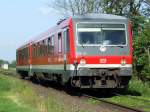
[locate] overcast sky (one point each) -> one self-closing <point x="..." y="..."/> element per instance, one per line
<point x="21" y="20"/>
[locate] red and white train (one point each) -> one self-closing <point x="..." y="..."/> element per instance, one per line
<point x="87" y="51"/>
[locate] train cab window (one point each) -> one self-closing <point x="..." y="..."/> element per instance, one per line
<point x="101" y="34"/>
<point x="114" y="37"/>
<point x="59" y="42"/>
<point x="89" y="34"/>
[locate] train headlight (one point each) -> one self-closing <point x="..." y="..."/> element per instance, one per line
<point x="123" y="62"/>
<point x="82" y="62"/>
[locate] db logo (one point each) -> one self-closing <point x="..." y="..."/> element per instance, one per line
<point x="103" y="60"/>
<point x="102" y="48"/>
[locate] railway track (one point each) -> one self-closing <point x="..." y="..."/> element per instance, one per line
<point x="83" y="95"/>
<point x="127" y="108"/>
<point x="132" y="97"/>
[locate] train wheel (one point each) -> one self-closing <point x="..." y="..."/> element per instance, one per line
<point x="23" y="74"/>
<point x="35" y="79"/>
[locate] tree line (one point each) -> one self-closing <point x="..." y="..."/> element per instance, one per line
<point x="138" y="11"/>
<point x="11" y="64"/>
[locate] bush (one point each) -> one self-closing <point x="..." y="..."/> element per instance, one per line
<point x="141" y="54"/>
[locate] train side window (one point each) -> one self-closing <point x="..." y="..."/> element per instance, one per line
<point x="67" y="41"/>
<point x="52" y="40"/>
<point x="59" y="43"/>
<point x="34" y="50"/>
<point x="38" y="49"/>
<point x="43" y="48"/>
<point x="49" y="45"/>
<point x="39" y="54"/>
<point x="52" y="43"/>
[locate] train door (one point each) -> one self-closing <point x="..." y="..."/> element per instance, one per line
<point x="66" y="46"/>
<point x="64" y="39"/>
<point x="30" y="59"/>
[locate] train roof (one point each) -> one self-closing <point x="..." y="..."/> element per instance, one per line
<point x="98" y="16"/>
<point x="66" y="21"/>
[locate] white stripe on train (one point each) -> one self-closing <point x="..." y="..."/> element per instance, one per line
<point x="71" y="66"/>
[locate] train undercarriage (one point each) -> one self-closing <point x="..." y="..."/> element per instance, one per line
<point x="88" y="78"/>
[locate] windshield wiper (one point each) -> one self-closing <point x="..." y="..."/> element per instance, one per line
<point x="82" y="45"/>
<point x="120" y="46"/>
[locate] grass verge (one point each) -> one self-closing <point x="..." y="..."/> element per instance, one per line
<point x="19" y="96"/>
<point x="11" y="99"/>
<point x="138" y="90"/>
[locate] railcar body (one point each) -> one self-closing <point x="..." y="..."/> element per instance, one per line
<point x="89" y="51"/>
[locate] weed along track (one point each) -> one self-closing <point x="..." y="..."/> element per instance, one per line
<point x="133" y="97"/>
<point x="121" y="107"/>
<point x="58" y="98"/>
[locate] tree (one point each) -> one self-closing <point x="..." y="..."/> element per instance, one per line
<point x="142" y="53"/>
<point x="127" y="8"/>
<point x="13" y="64"/>
<point x="74" y="7"/>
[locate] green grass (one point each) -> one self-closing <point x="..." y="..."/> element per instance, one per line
<point x="10" y="96"/>
<point x="138" y="90"/>
<point x="19" y="96"/>
<point x="136" y="86"/>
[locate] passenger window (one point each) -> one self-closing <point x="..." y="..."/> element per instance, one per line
<point x="68" y="41"/>
<point x="52" y="40"/>
<point x="43" y="48"/>
<point x="46" y="47"/>
<point x="38" y="49"/>
<point x="49" y="45"/>
<point x="59" y="42"/>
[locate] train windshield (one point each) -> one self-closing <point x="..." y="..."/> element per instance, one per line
<point x="101" y="34"/>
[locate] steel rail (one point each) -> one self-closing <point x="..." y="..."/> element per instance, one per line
<point x="112" y="103"/>
<point x="133" y="97"/>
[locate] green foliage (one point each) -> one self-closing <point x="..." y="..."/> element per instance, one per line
<point x="137" y="25"/>
<point x="136" y="86"/>
<point x="137" y="90"/>
<point x="141" y="54"/>
<point x="13" y="64"/>
<point x="3" y="61"/>
<point x="10" y="100"/>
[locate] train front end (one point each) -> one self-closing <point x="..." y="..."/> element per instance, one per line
<point x="103" y="52"/>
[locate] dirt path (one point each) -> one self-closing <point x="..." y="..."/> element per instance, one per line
<point x="73" y="103"/>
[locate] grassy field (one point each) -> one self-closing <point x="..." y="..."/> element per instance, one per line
<point x="15" y="96"/>
<point x="18" y="96"/>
